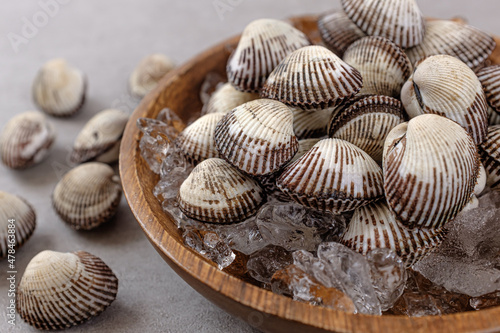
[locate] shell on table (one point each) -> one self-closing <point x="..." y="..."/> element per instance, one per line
<point x="60" y="290"/>
<point x="490" y="155"/>
<point x="26" y="139"/>
<point x="87" y="195"/>
<point x="257" y="137"/>
<point x="430" y="170"/>
<point x="100" y="138"/>
<point x="18" y="213"/>
<point x="312" y="77"/>
<point x="334" y="175"/>
<point x="490" y="80"/>
<point x="375" y="226"/>
<point x="383" y="65"/>
<point x="310" y="123"/>
<point x="59" y="89"/>
<point x="338" y="32"/>
<point x="148" y="73"/>
<point x="398" y="20"/>
<point x="226" y="98"/>
<point x="263" y="44"/>
<point x="217" y="192"/>
<point x="444" y="85"/>
<point x="463" y="41"/>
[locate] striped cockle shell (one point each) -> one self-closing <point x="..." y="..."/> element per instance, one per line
<point x="26" y="139"/>
<point x="338" y="32"/>
<point x="463" y="41"/>
<point x="490" y="80"/>
<point x="367" y="122"/>
<point x="334" y="175"/>
<point x="59" y="89"/>
<point x="444" y="85"/>
<point x="148" y="73"/>
<point x="18" y="217"/>
<point x="87" y="195"/>
<point x="375" y="226"/>
<point x="263" y="44"/>
<point x="398" y="20"/>
<point x="257" y="137"/>
<point x="60" y="290"/>
<point x="490" y="155"/>
<point x="310" y="123"/>
<point x="196" y="142"/>
<point x="226" y="98"/>
<point x="430" y="170"/>
<point x="312" y="77"/>
<point x="217" y="192"/>
<point x="100" y="135"/>
<point x="382" y="64"/>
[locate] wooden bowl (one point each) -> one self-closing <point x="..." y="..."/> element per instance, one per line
<point x="269" y="312"/>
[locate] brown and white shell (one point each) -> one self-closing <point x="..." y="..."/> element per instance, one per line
<point x="338" y="32"/>
<point x="490" y="155"/>
<point x="490" y="80"/>
<point x="463" y="41"/>
<point x="217" y="192"/>
<point x="100" y="138"/>
<point x="312" y="77"/>
<point x="226" y="98"/>
<point x="257" y="137"/>
<point x="16" y="216"/>
<point x="148" y="73"/>
<point x="59" y="89"/>
<point x="196" y="142"/>
<point x="375" y="226"/>
<point x="430" y="170"/>
<point x="444" y="85"/>
<point x="367" y="122"/>
<point x="26" y="139"/>
<point x="334" y="175"/>
<point x="87" y="195"/>
<point x="263" y="44"/>
<point x="310" y="123"/>
<point x="60" y="290"/>
<point x="398" y="20"/>
<point x="383" y="65"/>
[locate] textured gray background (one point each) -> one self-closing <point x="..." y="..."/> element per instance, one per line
<point x="106" y="39"/>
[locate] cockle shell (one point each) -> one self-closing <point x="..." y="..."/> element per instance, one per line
<point x="312" y="77"/>
<point x="26" y="139"/>
<point x="490" y="154"/>
<point x="196" y="142"/>
<point x="59" y="89"/>
<point x="334" y="175"/>
<point x="101" y="134"/>
<point x="87" y="195"/>
<point x="398" y="20"/>
<point x="263" y="44"/>
<point x="226" y="98"/>
<point x="444" y="85"/>
<point x="430" y="170"/>
<point x="60" y="290"/>
<point x="338" y="32"/>
<point x="463" y="41"/>
<point x="148" y="73"/>
<point x="257" y="137"/>
<point x="367" y="122"/>
<point x="20" y="211"/>
<point x="382" y="64"/>
<point x="310" y="123"/>
<point x="216" y="192"/>
<point x="490" y="80"/>
<point x="375" y="226"/>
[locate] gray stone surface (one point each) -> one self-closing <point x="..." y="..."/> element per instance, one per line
<point x="106" y="39"/>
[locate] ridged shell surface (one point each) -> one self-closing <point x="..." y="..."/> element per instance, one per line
<point x="257" y="137"/>
<point x="87" y="195"/>
<point x="61" y="290"/>
<point x="367" y="122"/>
<point x="334" y="175"/>
<point x="148" y="73"/>
<point x="382" y="64"/>
<point x="445" y="86"/>
<point x="23" y="222"/>
<point x="490" y="79"/>
<point x="310" y="123"/>
<point x="398" y="20"/>
<point x="490" y="155"/>
<point x="99" y="135"/>
<point x="430" y="170"/>
<point x="25" y="140"/>
<point x="304" y="146"/>
<point x="226" y="98"/>
<point x="263" y="44"/>
<point x="312" y="77"/>
<point x="338" y="32"/>
<point x="196" y="142"/>
<point x="216" y="192"/>
<point x="493" y="117"/>
<point x="375" y="226"/>
<point x="463" y="41"/>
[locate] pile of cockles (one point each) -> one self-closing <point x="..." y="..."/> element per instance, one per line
<point x="327" y="172"/>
